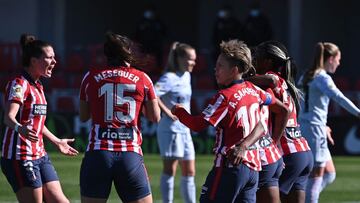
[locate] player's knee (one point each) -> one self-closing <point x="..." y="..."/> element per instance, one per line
<point x="329" y="177"/>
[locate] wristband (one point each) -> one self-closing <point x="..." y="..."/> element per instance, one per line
<point x="16" y="128"/>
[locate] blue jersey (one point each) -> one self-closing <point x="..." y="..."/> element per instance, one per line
<point x="174" y="88"/>
<point x="317" y="97"/>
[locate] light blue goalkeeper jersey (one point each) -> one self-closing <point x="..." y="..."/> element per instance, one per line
<point x="174" y="88"/>
<point x="318" y="93"/>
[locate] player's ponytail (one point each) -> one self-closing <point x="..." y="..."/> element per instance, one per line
<point x="118" y="49"/>
<point x="31" y="48"/>
<point x="177" y="50"/>
<point x="283" y="64"/>
<point x="323" y="50"/>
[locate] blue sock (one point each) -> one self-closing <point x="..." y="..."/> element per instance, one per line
<point x="167" y="188"/>
<point x="188" y="189"/>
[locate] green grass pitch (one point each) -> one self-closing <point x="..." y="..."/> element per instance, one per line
<point x="346" y="188"/>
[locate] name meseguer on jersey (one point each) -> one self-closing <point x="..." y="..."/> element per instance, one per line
<point x="115" y="73"/>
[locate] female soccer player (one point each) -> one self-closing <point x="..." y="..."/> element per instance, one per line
<point x="277" y="71"/>
<point x="235" y="112"/>
<point x="24" y="160"/>
<point x="174" y="139"/>
<point x="270" y="156"/>
<point x="113" y="97"/>
<point x="319" y="88"/>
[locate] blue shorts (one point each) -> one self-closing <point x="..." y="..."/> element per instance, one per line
<point x="236" y="184"/>
<point x="100" y="168"/>
<point x="270" y="174"/>
<point x="28" y="173"/>
<point x="295" y="174"/>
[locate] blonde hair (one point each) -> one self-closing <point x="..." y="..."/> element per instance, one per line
<point x="177" y="50"/>
<point x="323" y="51"/>
<point x="238" y="54"/>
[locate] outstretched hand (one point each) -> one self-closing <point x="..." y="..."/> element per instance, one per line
<point x="65" y="148"/>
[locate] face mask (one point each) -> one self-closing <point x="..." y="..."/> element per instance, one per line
<point x="148" y="14"/>
<point x="254" y="12"/>
<point x="223" y="14"/>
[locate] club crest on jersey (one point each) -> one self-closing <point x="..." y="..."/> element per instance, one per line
<point x="16" y="92"/>
<point x="39" y="109"/>
<point x="116" y="133"/>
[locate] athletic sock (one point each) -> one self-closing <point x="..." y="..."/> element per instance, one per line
<point x="313" y="189"/>
<point x="188" y="189"/>
<point x="328" y="178"/>
<point x="167" y="188"/>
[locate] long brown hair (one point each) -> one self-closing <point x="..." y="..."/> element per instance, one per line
<point x="323" y="51"/>
<point x="118" y="49"/>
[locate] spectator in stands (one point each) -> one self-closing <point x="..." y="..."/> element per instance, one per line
<point x="226" y="27"/>
<point x="257" y="27"/>
<point x="24" y="160"/>
<point x="319" y="88"/>
<point x="151" y="33"/>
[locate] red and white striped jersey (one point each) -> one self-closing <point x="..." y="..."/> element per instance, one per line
<point x="116" y="96"/>
<point x="291" y="141"/>
<point x="269" y="152"/>
<point x="235" y="111"/>
<point x="30" y="96"/>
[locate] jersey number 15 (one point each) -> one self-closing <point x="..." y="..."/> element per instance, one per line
<point x="114" y="96"/>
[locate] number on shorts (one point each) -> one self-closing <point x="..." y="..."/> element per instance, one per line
<point x="114" y="96"/>
<point x="322" y="142"/>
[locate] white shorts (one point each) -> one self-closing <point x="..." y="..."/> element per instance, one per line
<point x="317" y="140"/>
<point x="176" y="145"/>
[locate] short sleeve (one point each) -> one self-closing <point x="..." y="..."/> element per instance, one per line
<point x="215" y="110"/>
<point x="267" y="96"/>
<point x="149" y="88"/>
<point x="16" y="90"/>
<point x="83" y="87"/>
<point x="163" y="85"/>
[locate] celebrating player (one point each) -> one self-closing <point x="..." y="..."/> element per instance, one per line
<point x="24" y="160"/>
<point x="277" y="71"/>
<point x="235" y="112"/>
<point x="113" y="97"/>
